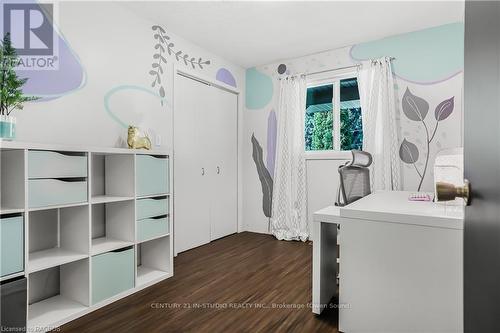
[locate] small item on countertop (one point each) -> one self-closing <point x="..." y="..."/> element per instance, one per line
<point x="135" y="141"/>
<point x="419" y="197"/>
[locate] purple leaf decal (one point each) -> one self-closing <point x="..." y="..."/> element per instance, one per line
<point x="444" y="109"/>
<point x="272" y="126"/>
<point x="414" y="107"/>
<point x="408" y="152"/>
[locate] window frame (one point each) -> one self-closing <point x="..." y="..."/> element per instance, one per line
<point x="331" y="77"/>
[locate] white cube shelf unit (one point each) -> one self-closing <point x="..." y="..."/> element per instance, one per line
<point x="86" y="213"/>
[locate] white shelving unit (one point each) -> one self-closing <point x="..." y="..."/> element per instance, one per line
<point x="12" y="190"/>
<point x="113" y="226"/>
<point x="149" y="268"/>
<point x="62" y="241"/>
<point x="57" y="236"/>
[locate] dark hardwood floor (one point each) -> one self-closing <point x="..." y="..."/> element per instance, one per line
<point x="246" y="270"/>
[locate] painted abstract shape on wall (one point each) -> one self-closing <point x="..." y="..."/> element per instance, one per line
<point x="259" y="89"/>
<point x="69" y="75"/>
<point x="124" y="123"/>
<point x="265" y="178"/>
<point x="416" y="109"/>
<point x="281" y="69"/>
<point x="272" y="130"/>
<point x="426" y="56"/>
<point x="224" y="75"/>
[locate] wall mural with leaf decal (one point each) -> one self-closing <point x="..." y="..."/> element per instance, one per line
<point x="416" y="109"/>
<point x="428" y="62"/>
<point x="163" y="45"/>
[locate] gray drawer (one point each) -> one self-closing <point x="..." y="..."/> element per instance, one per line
<point x="151" y="175"/>
<point x="51" y="164"/>
<point x="151" y="207"/>
<point x="11" y="245"/>
<point x="112" y="273"/>
<point x="48" y="192"/>
<point x="151" y="228"/>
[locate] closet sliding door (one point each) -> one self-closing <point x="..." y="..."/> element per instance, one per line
<point x="205" y="157"/>
<point x="223" y="167"/>
<point x="192" y="203"/>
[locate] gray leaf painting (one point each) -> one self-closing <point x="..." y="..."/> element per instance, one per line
<point x="414" y="107"/>
<point x="408" y="152"/>
<point x="444" y="109"/>
<point x="265" y="178"/>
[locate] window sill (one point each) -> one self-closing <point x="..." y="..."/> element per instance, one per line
<point x="328" y="155"/>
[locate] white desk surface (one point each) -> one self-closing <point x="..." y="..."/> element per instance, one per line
<point x="394" y="207"/>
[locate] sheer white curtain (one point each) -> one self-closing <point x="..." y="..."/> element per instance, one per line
<point x="289" y="217"/>
<point x="380" y="128"/>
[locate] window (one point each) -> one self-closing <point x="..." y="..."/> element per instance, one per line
<point x="333" y="116"/>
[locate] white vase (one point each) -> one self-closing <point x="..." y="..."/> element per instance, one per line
<point x="7" y="127"/>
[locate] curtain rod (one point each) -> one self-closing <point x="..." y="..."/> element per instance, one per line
<point x="333" y="69"/>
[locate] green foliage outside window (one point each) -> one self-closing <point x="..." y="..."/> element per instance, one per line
<point x="319" y="117"/>
<point x="319" y="127"/>
<point x="351" y="130"/>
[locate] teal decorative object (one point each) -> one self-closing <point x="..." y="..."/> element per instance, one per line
<point x="259" y="89"/>
<point x="426" y="56"/>
<point x="7" y="127"/>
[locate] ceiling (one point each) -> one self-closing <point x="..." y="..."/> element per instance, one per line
<point x="256" y="33"/>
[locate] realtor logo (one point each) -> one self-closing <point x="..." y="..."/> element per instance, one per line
<point x="32" y="34"/>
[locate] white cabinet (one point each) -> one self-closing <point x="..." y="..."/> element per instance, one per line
<point x="205" y="172"/>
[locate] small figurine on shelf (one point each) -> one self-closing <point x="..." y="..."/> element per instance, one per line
<point x="135" y="141"/>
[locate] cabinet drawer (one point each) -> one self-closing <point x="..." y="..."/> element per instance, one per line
<point x="151" y="175"/>
<point x="152" y="227"/>
<point x="151" y="207"/>
<point x="51" y="164"/>
<point x="12" y="245"/>
<point x="47" y="192"/>
<point x="112" y="273"/>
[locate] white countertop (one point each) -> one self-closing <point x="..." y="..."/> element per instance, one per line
<point x="60" y="147"/>
<point x="394" y="207"/>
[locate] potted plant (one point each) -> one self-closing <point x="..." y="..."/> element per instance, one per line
<point x="11" y="92"/>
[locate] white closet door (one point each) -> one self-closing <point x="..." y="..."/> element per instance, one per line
<point x="191" y="207"/>
<point x="222" y="132"/>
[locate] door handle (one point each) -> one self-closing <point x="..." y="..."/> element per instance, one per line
<point x="218" y="170"/>
<point x="203" y="171"/>
<point x="447" y="191"/>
